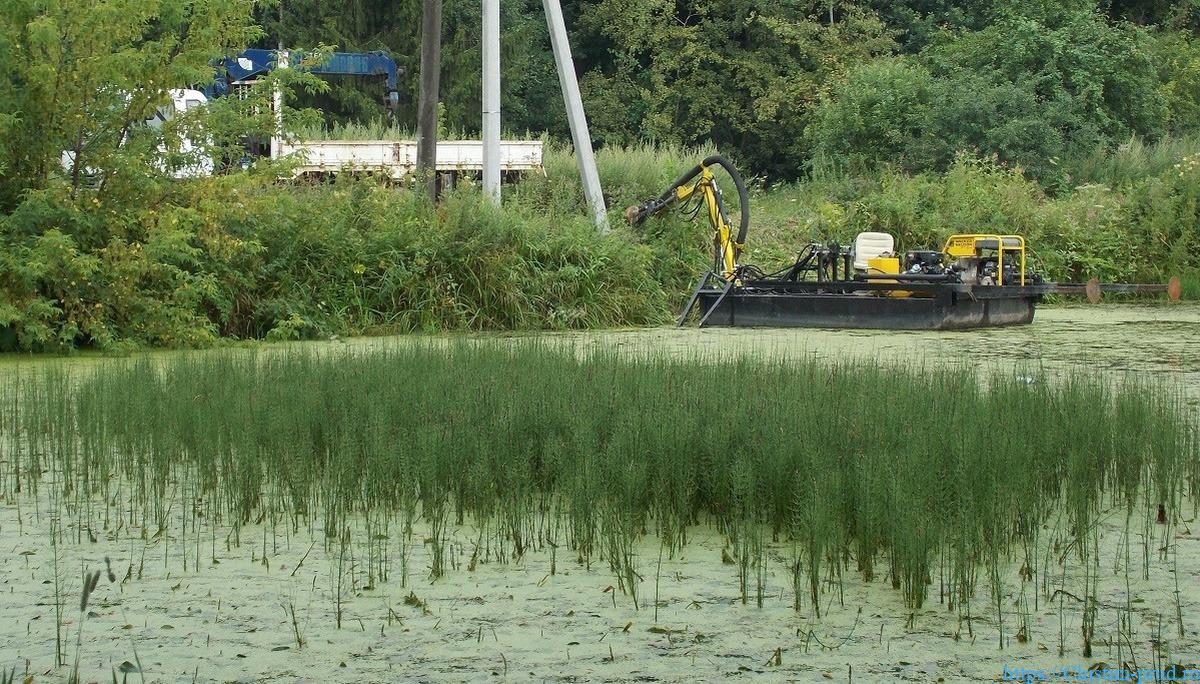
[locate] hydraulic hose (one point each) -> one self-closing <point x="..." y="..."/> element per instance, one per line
<point x="913" y="277"/>
<point x="636" y="215"/>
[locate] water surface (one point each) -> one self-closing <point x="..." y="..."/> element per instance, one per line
<point x="1159" y="342"/>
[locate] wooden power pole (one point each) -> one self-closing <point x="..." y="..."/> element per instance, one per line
<point x="427" y="99"/>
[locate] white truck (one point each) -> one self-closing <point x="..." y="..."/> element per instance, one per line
<point x="182" y="100"/>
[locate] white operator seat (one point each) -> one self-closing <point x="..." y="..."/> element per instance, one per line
<point x="871" y="245"/>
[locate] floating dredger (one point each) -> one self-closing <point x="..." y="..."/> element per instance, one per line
<point x="974" y="280"/>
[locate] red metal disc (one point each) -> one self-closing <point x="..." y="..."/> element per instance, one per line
<point x="1174" y="288"/>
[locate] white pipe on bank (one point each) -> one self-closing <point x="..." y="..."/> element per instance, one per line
<point x="575" y="116"/>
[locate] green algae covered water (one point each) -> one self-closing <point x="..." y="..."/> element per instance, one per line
<point x="1159" y="342"/>
<point x="257" y="593"/>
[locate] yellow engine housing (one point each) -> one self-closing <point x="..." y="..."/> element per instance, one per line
<point x="886" y="266"/>
<point x="974" y="245"/>
<point x="883" y="265"/>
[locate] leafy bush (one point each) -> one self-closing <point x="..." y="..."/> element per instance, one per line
<point x="240" y="256"/>
<point x="68" y="277"/>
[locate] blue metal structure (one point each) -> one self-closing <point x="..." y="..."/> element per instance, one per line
<point x="256" y="61"/>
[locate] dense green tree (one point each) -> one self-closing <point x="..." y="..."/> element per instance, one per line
<point x="743" y="74"/>
<point x="918" y="21"/>
<point x="1164" y="13"/>
<point x="1032" y="88"/>
<point x="95" y="241"/>
<point x="880" y="113"/>
<point x="1031" y="81"/>
<point x="81" y="76"/>
<point x="1176" y="55"/>
<point x="1101" y="70"/>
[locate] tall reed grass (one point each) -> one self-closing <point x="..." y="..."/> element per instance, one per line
<point x="1133" y="161"/>
<point x="932" y="478"/>
<point x="387" y="129"/>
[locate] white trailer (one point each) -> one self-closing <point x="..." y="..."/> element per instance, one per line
<point x="390" y="158"/>
<point x="398" y="158"/>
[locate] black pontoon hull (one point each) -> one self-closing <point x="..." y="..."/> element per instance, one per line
<point x="947" y="310"/>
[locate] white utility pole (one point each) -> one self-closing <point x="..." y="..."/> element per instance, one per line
<point x="575" y="115"/>
<point x="281" y="62"/>
<point x="491" y="99"/>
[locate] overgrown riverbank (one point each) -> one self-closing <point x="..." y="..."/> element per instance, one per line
<point x="246" y="256"/>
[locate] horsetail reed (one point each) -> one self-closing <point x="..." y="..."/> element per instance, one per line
<point x="901" y="475"/>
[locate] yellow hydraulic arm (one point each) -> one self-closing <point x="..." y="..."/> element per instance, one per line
<point x="699" y="185"/>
